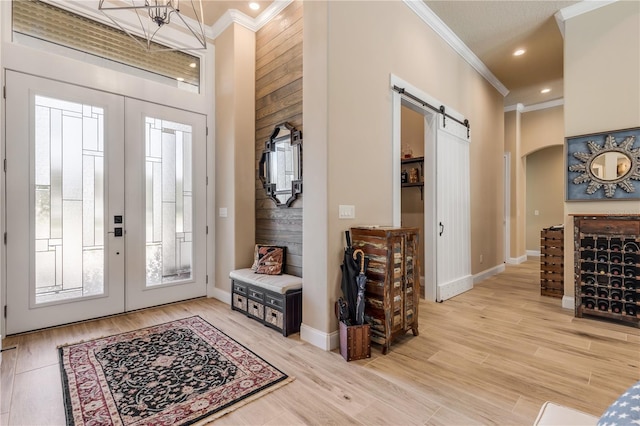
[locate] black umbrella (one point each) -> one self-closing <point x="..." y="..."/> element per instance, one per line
<point x="349" y="287"/>
<point x="361" y="282"/>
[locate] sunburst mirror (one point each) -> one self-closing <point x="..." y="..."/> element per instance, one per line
<point x="604" y="166"/>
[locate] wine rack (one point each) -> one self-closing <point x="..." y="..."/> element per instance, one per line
<point x="552" y="262"/>
<point x="607" y="267"/>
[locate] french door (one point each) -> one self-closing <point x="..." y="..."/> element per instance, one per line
<point x="101" y="210"/>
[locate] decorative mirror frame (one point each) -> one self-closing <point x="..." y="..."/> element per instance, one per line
<point x="583" y="185"/>
<point x="264" y="168"/>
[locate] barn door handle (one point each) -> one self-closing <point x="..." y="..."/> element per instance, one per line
<point x="441" y="228"/>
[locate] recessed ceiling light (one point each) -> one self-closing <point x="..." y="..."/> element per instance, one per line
<point x="254" y="6"/>
<point x="180" y="79"/>
<point x="545" y="90"/>
<point x="192" y="65"/>
<point x="519" y="52"/>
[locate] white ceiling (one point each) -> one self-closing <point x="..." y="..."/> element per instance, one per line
<point x="492" y="30"/>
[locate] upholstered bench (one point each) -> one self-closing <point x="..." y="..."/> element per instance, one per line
<point x="274" y="300"/>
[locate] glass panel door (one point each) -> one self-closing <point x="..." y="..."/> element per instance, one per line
<point x="64" y="183"/>
<point x="166" y="204"/>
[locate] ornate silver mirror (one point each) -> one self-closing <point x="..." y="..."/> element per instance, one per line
<point x="608" y="165"/>
<point x="280" y="168"/>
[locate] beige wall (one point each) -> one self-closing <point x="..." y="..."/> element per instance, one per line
<point x="602" y="92"/>
<point x="542" y="128"/>
<point x="545" y="192"/>
<point x="348" y="136"/>
<point x="234" y="131"/>
<point x="542" y="139"/>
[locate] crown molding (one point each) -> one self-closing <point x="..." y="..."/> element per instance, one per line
<point x="271" y="12"/>
<point x="442" y="30"/>
<point x="578" y="9"/>
<point x="232" y="16"/>
<point x="534" y="107"/>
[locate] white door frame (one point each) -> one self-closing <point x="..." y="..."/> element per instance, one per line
<point x="507" y="206"/>
<point x="429" y="262"/>
<point x="30" y="60"/>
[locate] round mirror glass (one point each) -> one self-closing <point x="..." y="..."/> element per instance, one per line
<point x="610" y="166"/>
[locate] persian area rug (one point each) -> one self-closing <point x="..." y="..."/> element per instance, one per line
<point x="178" y="373"/>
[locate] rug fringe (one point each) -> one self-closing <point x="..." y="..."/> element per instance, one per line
<point x="233" y="407"/>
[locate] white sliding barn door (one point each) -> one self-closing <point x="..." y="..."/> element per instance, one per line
<point x="453" y="234"/>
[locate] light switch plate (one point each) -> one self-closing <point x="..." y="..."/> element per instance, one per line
<point x="222" y="212"/>
<point x="346" y="212"/>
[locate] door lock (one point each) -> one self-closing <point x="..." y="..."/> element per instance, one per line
<point x="117" y="232"/>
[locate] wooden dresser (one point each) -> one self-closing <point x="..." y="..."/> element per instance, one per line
<point x="607" y="267"/>
<point x="393" y="281"/>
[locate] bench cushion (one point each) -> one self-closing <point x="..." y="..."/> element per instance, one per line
<point x="276" y="283"/>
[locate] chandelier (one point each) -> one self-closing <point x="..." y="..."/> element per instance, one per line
<point x="150" y="16"/>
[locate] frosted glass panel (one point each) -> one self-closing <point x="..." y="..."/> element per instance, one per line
<point x="168" y="157"/>
<point x="68" y="200"/>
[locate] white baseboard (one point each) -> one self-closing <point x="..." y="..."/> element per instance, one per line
<point x="221" y="295"/>
<point x="534" y="253"/>
<point x="568" y="302"/>
<point x="320" y="339"/>
<point x="454" y="288"/>
<point x="487" y="273"/>
<point x="516" y="260"/>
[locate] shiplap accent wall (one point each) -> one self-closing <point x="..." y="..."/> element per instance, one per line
<point x="279" y="99"/>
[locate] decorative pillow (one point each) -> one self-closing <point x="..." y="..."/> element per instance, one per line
<point x="625" y="410"/>
<point x="269" y="260"/>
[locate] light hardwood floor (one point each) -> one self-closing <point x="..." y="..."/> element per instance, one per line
<point x="492" y="355"/>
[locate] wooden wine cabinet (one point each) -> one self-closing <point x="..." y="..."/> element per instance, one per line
<point x="607" y="267"/>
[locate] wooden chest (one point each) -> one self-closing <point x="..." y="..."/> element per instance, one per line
<point x="393" y="281"/>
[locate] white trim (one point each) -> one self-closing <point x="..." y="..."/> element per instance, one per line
<point x="516" y="260"/>
<point x="535" y="107"/>
<point x="441" y="29"/>
<point x="235" y="16"/>
<point x="568" y="302"/>
<point x="320" y="339"/>
<point x="506" y="211"/>
<point x="455" y="287"/>
<point x="219" y="294"/>
<point x="544" y="105"/>
<point x="515" y="107"/>
<point x="535" y="253"/>
<point x="270" y="12"/>
<point x="578" y="9"/>
<point x="488" y="273"/>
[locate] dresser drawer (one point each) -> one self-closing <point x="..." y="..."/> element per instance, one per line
<point x="254" y="293"/>
<point x="610" y="226"/>
<point x="239" y="287"/>
<point x="276" y="301"/>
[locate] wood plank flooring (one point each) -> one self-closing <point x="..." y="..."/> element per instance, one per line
<point x="492" y="355"/>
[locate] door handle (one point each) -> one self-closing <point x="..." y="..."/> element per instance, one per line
<point x="117" y="232"/>
<point x="441" y="229"/>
